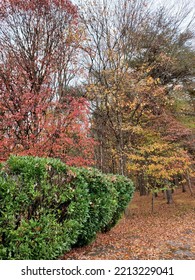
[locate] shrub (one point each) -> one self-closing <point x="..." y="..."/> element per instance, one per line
<point x="46" y="207"/>
<point x="43" y="207"/>
<point x="125" y="189"/>
<point x="103" y="204"/>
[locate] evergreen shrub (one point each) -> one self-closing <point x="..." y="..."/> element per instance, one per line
<point x="46" y="207"/>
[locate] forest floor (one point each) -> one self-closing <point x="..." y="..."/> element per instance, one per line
<point x="168" y="233"/>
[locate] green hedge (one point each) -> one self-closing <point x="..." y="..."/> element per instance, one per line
<point x="125" y="190"/>
<point x="103" y="204"/>
<point x="46" y="207"/>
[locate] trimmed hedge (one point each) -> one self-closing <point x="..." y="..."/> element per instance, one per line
<point x="103" y="204"/>
<point x="46" y="207"/>
<point x="124" y="189"/>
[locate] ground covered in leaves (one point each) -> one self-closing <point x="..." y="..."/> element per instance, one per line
<point x="168" y="233"/>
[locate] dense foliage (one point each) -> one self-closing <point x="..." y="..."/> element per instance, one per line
<point x="141" y="87"/>
<point x="48" y="207"/>
<point x="39" y="112"/>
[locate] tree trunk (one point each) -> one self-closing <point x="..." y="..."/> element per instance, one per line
<point x="153" y="196"/>
<point x="141" y="184"/>
<point x="189" y="184"/>
<point x="183" y="188"/>
<point x="169" y="196"/>
<point x="120" y="144"/>
<point x="101" y="155"/>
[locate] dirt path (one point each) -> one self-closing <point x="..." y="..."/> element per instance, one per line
<point x="168" y="233"/>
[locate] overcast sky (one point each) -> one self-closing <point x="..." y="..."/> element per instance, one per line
<point x="167" y="3"/>
<point x="178" y="5"/>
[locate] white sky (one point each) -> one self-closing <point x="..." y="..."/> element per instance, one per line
<point x="169" y="4"/>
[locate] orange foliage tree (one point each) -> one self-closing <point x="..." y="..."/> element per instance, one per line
<point x="134" y="62"/>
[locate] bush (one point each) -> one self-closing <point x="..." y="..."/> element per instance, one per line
<point x="125" y="189"/>
<point x="43" y="207"/>
<point x="48" y="207"/>
<point x="103" y="204"/>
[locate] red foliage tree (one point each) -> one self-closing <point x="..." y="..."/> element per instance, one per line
<point x="39" y="114"/>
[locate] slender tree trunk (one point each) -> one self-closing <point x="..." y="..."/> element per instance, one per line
<point x="176" y="181"/>
<point x="101" y="155"/>
<point x="189" y="184"/>
<point x="141" y="184"/>
<point x="121" y="145"/>
<point x="169" y="196"/>
<point x="183" y="188"/>
<point x="113" y="165"/>
<point x="153" y="196"/>
<point x="121" y="162"/>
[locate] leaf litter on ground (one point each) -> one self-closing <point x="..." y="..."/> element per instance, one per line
<point x="167" y="233"/>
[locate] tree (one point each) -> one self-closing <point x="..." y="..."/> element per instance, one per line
<point x="136" y="56"/>
<point x="39" y="112"/>
<point x="107" y="67"/>
<point x="160" y="163"/>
